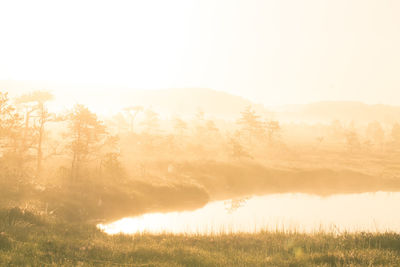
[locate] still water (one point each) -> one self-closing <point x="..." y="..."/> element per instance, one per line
<point x="372" y="212"/>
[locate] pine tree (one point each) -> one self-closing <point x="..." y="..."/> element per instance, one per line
<point x="87" y="135"/>
<point x="251" y="125"/>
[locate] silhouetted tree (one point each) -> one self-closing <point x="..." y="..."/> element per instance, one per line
<point x="180" y="126"/>
<point x="237" y="150"/>
<point x="87" y="135"/>
<point x="273" y="128"/>
<point x="10" y="138"/>
<point x="151" y="122"/>
<point x="211" y="127"/>
<point x="35" y="103"/>
<point x="199" y="116"/>
<point x="111" y="167"/>
<point x="396" y="133"/>
<point x="352" y="140"/>
<point x="132" y="112"/>
<point x="10" y="124"/>
<point x="119" y="123"/>
<point x="336" y="129"/>
<point x="375" y="133"/>
<point x="250" y="123"/>
<point x="200" y="125"/>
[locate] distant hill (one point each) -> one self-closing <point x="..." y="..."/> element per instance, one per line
<point x="344" y="111"/>
<point x="168" y="102"/>
<point x="186" y="102"/>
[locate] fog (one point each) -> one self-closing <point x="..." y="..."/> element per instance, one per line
<point x="199" y="133"/>
<point x="103" y="167"/>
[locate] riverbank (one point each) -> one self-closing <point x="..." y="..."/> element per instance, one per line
<point x="176" y="186"/>
<point x="27" y="239"/>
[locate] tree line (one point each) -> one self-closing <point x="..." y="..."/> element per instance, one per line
<point x="82" y="138"/>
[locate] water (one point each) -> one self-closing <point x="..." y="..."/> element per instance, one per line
<point x="370" y="212"/>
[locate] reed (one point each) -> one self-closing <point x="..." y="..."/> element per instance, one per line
<point x="27" y="239"/>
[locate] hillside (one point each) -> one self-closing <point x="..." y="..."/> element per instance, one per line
<point x="186" y="102"/>
<point x="168" y="102"/>
<point x="345" y="111"/>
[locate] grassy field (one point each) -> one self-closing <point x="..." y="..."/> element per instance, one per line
<point x="30" y="240"/>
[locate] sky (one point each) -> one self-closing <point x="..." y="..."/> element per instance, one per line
<point x="272" y="51"/>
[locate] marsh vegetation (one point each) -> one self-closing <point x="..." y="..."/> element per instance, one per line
<point x="63" y="173"/>
<point x="30" y="240"/>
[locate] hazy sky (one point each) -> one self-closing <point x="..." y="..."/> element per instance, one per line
<point x="274" y="52"/>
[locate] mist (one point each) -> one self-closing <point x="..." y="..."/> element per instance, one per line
<point x="199" y="133"/>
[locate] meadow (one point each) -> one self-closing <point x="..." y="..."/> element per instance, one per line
<point x="27" y="239"/>
<point x="62" y="174"/>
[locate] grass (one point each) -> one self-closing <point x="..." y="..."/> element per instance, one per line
<point x="30" y="240"/>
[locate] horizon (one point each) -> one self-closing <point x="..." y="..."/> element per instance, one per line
<point x="42" y="85"/>
<point x="216" y="105"/>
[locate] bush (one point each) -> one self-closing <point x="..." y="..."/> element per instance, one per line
<point x="5" y="242"/>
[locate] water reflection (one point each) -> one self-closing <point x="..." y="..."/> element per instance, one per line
<point x="233" y="204"/>
<point x="374" y="212"/>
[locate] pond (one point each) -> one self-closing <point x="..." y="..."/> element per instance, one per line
<point x="370" y="212"/>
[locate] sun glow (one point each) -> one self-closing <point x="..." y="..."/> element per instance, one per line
<point x="114" y="42"/>
<point x="268" y="51"/>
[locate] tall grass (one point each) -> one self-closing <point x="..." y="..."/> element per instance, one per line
<point x="30" y="240"/>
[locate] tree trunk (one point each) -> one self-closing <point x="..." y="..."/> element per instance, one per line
<point x="41" y="132"/>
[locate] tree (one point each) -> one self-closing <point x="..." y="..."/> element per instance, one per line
<point x="237" y="150"/>
<point x="336" y="129"/>
<point x="10" y="122"/>
<point x="10" y="125"/>
<point x="273" y="128"/>
<point x="119" y="123"/>
<point x="180" y="126"/>
<point x="396" y="133"/>
<point x="28" y="108"/>
<point x="211" y="127"/>
<point x="87" y="135"/>
<point x="199" y="124"/>
<point x="250" y="123"/>
<point x="132" y="112"/>
<point x="352" y="140"/>
<point x="10" y="139"/>
<point x="375" y="133"/>
<point x="199" y="116"/>
<point x="38" y="99"/>
<point x="151" y="121"/>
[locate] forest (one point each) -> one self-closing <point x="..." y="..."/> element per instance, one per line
<point x="63" y="173"/>
<point x="79" y="166"/>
